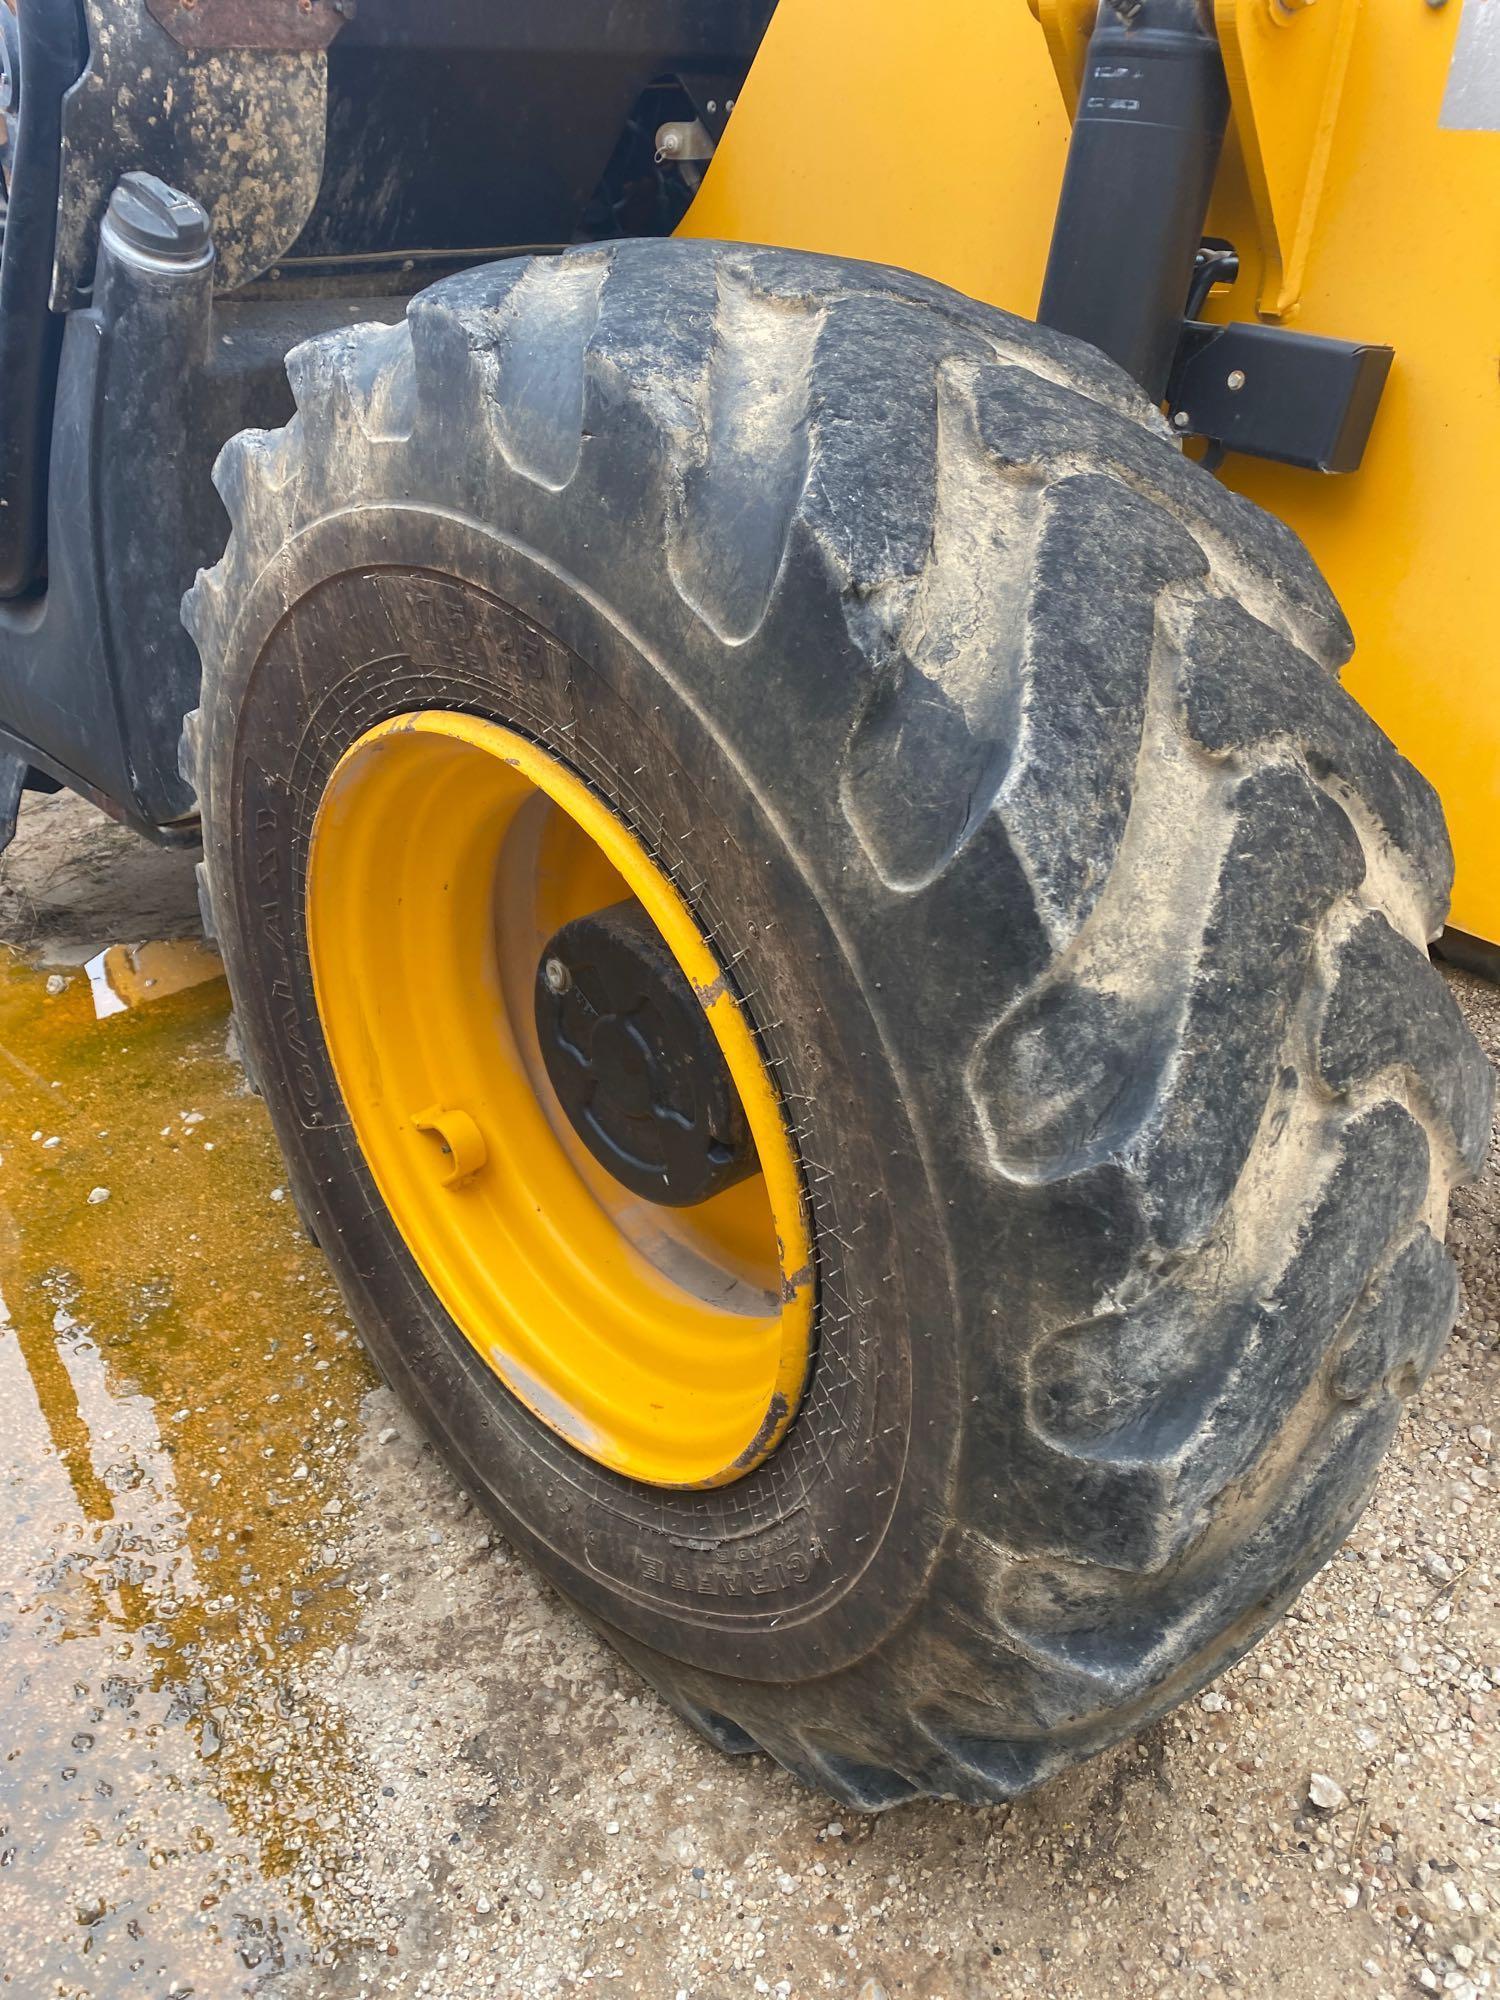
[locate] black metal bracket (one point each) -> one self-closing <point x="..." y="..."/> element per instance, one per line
<point x="1129" y="268"/>
<point x="1263" y="390"/>
<point x="712" y="94"/>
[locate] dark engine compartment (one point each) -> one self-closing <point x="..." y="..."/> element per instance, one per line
<point x="466" y="124"/>
<point x="442" y="133"/>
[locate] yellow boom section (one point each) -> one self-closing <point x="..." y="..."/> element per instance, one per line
<point x="934" y="137"/>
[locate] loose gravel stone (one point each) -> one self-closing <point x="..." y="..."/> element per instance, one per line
<point x="1326" y="1793"/>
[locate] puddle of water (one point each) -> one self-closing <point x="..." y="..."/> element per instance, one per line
<point x="179" y="1397"/>
<point x="128" y="975"/>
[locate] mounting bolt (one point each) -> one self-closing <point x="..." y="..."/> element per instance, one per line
<point x="1235" y="379"/>
<point x="557" y="976"/>
<point x="1181" y="420"/>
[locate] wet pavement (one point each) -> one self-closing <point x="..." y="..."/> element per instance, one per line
<point x="280" y="1716"/>
<point x="177" y="1389"/>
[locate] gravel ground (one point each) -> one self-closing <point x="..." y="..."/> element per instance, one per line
<point x="351" y="1746"/>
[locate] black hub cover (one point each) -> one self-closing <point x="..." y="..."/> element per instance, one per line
<point x="634" y="1062"/>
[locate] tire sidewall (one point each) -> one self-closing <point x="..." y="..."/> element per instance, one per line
<point x="809" y="1562"/>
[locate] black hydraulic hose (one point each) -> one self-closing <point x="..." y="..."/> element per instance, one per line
<point x="1141" y="164"/>
<point x="54" y="48"/>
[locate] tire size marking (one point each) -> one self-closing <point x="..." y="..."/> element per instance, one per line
<point x="783" y="1572"/>
<point x="720" y="1576"/>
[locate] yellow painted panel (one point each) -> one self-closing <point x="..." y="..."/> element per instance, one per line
<point x="883" y="129"/>
<point x="933" y="137"/>
<point x="1406" y="250"/>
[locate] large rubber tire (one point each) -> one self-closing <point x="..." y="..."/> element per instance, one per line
<point x="1080" y="915"/>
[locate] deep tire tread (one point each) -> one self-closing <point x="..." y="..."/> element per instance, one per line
<point x="1079" y="695"/>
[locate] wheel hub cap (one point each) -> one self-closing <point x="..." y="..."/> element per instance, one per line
<point x="634" y="1061"/>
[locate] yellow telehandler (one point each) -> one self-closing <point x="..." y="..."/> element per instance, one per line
<point x="844" y="985"/>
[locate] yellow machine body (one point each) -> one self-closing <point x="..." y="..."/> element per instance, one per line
<point x="1363" y="204"/>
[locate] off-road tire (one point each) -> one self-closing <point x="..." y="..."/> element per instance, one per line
<point x="1080" y="915"/>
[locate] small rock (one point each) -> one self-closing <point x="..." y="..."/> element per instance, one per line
<point x="96" y="1195"/>
<point x="56" y="984"/>
<point x="1326" y="1793"/>
<point x="1481" y="1436"/>
<point x="873" y="1990"/>
<point x="387" y="1434"/>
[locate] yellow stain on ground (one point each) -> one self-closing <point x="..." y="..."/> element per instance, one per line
<point x="178" y="1401"/>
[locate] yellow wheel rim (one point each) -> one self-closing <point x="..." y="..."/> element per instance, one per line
<point x="670" y="1345"/>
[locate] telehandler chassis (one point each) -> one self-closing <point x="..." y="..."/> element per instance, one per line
<point x="842" y="986"/>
